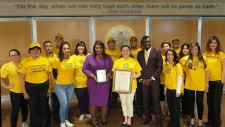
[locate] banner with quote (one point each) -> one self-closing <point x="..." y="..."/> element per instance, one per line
<point x="8" y="9"/>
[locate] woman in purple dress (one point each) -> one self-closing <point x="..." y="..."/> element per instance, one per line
<point x="98" y="92"/>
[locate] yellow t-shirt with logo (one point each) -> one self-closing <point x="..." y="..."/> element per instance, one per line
<point x="11" y="71"/>
<point x="65" y="70"/>
<point x="114" y="54"/>
<point x="80" y="77"/>
<point x="171" y="73"/>
<point x="135" y="52"/>
<point x="215" y="65"/>
<point x="36" y="71"/>
<point x="51" y="61"/>
<point x="195" y="77"/>
<point x="162" y="76"/>
<point x="131" y="64"/>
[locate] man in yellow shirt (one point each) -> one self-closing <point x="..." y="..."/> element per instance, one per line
<point x="115" y="54"/>
<point x="138" y="95"/>
<point x="58" y="40"/>
<point x="47" y="47"/>
<point x="176" y="45"/>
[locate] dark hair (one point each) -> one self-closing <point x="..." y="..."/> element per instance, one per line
<point x="80" y="43"/>
<point x="132" y="56"/>
<point x="98" y="42"/>
<point x="181" y="53"/>
<point x="15" y="50"/>
<point x="218" y="49"/>
<point x="200" y="57"/>
<point x="143" y="38"/>
<point x="165" y="42"/>
<point x="46" y="42"/>
<point x="175" y="58"/>
<point x="61" y="55"/>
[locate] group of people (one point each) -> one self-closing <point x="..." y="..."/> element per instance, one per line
<point x="172" y="73"/>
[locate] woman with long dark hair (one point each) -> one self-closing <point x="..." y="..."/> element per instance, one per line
<point x="216" y="60"/>
<point x="63" y="72"/>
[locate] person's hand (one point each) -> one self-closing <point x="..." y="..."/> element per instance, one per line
<point x="49" y="92"/>
<point x="206" y="88"/>
<point x="178" y="94"/>
<point x="93" y="76"/>
<point x="146" y="81"/>
<point x="165" y="92"/>
<point x="26" y="95"/>
<point x="10" y="86"/>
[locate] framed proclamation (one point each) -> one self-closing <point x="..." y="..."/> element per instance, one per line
<point x="101" y="76"/>
<point x="122" y="81"/>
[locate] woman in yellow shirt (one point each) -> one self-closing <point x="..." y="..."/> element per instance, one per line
<point x="35" y="79"/>
<point x="63" y="72"/>
<point x="165" y="46"/>
<point x="173" y="82"/>
<point x="127" y="62"/>
<point x="196" y="83"/>
<point x="81" y="90"/>
<point x="10" y="71"/>
<point x="216" y="60"/>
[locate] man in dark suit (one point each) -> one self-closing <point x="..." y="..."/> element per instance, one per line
<point x="150" y="60"/>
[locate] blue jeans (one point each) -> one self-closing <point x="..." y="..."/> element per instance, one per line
<point x="64" y="94"/>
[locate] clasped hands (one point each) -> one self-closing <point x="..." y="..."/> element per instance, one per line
<point x="146" y="81"/>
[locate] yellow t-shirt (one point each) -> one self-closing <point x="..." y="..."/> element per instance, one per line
<point x="51" y="61"/>
<point x="11" y="71"/>
<point x="215" y="65"/>
<point x="195" y="77"/>
<point x="135" y="52"/>
<point x="36" y="71"/>
<point x="114" y="54"/>
<point x="162" y="76"/>
<point x="55" y="50"/>
<point x="171" y="73"/>
<point x="130" y="63"/>
<point x="80" y="77"/>
<point x="178" y="52"/>
<point x="65" y="70"/>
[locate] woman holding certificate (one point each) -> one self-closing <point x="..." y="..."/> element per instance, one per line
<point x="127" y="62"/>
<point x="97" y="67"/>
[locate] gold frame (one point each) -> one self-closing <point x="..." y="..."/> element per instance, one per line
<point x="115" y="78"/>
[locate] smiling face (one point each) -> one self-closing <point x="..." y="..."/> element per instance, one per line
<point x="185" y="50"/>
<point x="66" y="50"/>
<point x="175" y="44"/>
<point x="146" y="43"/>
<point x="170" y="56"/>
<point x="98" y="49"/>
<point x="47" y="47"/>
<point x="194" y="51"/>
<point x="81" y="49"/>
<point x="58" y="41"/>
<point x="213" y="45"/>
<point x="133" y="43"/>
<point x="165" y="47"/>
<point x="15" y="57"/>
<point x="125" y="52"/>
<point x="111" y="44"/>
<point x="35" y="52"/>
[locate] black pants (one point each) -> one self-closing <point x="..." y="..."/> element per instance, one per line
<point x="37" y="103"/>
<point x="83" y="99"/>
<point x="185" y="109"/>
<point x="17" y="103"/>
<point x="214" y="97"/>
<point x="174" y="107"/>
<point x="55" y="105"/>
<point x="112" y="101"/>
<point x="199" y="102"/>
<point x="162" y="95"/>
<point x="48" y="111"/>
<point x="151" y="96"/>
<point x="138" y="98"/>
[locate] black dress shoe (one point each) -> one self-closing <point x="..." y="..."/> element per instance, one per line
<point x="208" y="124"/>
<point x="147" y="122"/>
<point x="128" y="125"/>
<point x="124" y="125"/>
<point x="104" y="123"/>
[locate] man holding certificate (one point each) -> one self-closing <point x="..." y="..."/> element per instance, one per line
<point x="150" y="60"/>
<point x="123" y="66"/>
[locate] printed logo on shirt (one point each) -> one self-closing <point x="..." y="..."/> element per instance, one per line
<point x="126" y="65"/>
<point x="68" y="65"/>
<point x="38" y="68"/>
<point x="213" y="57"/>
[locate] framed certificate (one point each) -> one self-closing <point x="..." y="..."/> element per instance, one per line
<point x="122" y="81"/>
<point x="101" y="76"/>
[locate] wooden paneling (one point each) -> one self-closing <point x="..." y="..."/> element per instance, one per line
<point x="103" y="26"/>
<point x="213" y="27"/>
<point x="73" y="31"/>
<point x="164" y="30"/>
